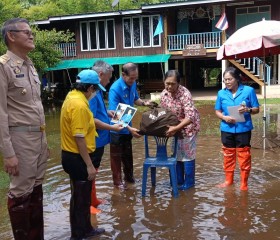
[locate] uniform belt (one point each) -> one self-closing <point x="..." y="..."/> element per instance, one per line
<point x="27" y="128"/>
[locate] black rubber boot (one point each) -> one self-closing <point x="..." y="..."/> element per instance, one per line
<point x="36" y="214"/>
<point x="19" y="211"/>
<point x="80" y="211"/>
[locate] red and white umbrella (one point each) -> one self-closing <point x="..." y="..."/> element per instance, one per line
<point x="256" y="39"/>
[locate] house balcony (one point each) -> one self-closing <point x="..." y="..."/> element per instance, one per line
<point x="178" y="42"/>
<point x="67" y="49"/>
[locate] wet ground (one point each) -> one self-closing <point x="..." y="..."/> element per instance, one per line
<point x="203" y="212"/>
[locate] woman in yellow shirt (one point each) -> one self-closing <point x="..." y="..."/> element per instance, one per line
<point x="78" y="134"/>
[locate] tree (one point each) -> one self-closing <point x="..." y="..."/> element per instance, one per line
<point x="37" y="12"/>
<point x="46" y="54"/>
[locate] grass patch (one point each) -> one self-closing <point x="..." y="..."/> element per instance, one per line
<point x="270" y="101"/>
<point x="4" y="180"/>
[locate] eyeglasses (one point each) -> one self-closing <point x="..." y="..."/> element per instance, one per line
<point x="26" y="32"/>
<point x="228" y="79"/>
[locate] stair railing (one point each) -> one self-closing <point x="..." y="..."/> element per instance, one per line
<point x="258" y="68"/>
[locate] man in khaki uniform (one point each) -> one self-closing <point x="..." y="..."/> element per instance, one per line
<point x="22" y="136"/>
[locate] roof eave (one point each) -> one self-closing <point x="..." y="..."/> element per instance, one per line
<point x="84" y="16"/>
<point x="186" y="3"/>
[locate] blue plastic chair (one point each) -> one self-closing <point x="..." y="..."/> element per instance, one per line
<point x="161" y="159"/>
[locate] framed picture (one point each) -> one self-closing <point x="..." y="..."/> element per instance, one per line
<point x="123" y="114"/>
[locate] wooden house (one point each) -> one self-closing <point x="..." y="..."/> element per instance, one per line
<point x="188" y="42"/>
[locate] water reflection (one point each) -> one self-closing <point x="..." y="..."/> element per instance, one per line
<point x="203" y="212"/>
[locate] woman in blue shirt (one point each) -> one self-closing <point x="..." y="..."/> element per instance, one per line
<point x="236" y="136"/>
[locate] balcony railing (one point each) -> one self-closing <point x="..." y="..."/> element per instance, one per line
<point x="68" y="49"/>
<point x="208" y="39"/>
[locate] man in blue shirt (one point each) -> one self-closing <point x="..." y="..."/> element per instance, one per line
<point x="102" y="122"/>
<point x="124" y="90"/>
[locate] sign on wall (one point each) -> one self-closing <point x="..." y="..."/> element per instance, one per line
<point x="194" y="50"/>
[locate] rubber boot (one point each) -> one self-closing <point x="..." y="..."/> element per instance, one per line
<point x="80" y="211"/>
<point x="180" y="172"/>
<point x="244" y="159"/>
<point x="127" y="161"/>
<point x="116" y="166"/>
<point x="36" y="214"/>
<point x="19" y="211"/>
<point x="189" y="181"/>
<point x="228" y="179"/>
<point x="94" y="200"/>
<point x="229" y="166"/>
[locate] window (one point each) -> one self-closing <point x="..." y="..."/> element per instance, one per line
<point x="98" y="35"/>
<point x="139" y="31"/>
<point x="84" y="37"/>
<point x="258" y="9"/>
<point x="248" y="15"/>
<point x="127" y="32"/>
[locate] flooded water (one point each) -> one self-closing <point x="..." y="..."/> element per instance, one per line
<point x="203" y="212"/>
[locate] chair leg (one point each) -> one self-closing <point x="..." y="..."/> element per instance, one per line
<point x="153" y="176"/>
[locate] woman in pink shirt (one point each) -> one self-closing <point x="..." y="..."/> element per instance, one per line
<point x="178" y="99"/>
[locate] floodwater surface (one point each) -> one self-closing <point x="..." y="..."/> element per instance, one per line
<point x="203" y="212"/>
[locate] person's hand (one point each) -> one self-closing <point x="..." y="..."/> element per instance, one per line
<point x="134" y="132"/>
<point x="171" y="131"/>
<point x="117" y="127"/>
<point x="150" y="103"/>
<point x="229" y="119"/>
<point x="91" y="172"/>
<point x="110" y="113"/>
<point x="11" y="165"/>
<point x="243" y="109"/>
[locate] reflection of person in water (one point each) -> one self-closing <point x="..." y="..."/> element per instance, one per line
<point x="235" y="215"/>
<point x="126" y="117"/>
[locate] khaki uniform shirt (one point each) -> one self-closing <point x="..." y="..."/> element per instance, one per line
<point x="20" y="102"/>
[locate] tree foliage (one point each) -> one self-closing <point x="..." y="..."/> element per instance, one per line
<point x="46" y="54"/>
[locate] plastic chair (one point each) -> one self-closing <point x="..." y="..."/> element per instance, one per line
<point x="161" y="159"/>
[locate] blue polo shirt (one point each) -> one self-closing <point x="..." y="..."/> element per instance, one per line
<point x="120" y="92"/>
<point x="225" y="99"/>
<point x="98" y="108"/>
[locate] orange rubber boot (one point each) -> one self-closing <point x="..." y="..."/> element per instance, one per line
<point x="244" y="159"/>
<point x="94" y="200"/>
<point x="244" y="180"/>
<point x="229" y="165"/>
<point x="228" y="179"/>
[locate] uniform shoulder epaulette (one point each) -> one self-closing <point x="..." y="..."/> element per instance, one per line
<point x="4" y="59"/>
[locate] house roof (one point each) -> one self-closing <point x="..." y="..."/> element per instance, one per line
<point x="184" y="3"/>
<point x="87" y="15"/>
<point x="133" y="11"/>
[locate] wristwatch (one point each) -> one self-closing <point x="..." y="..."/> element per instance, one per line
<point x="250" y="110"/>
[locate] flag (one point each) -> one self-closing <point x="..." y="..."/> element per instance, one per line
<point x="159" y="28"/>
<point x="115" y="2"/>
<point x="222" y="24"/>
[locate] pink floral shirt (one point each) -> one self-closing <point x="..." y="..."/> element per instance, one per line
<point x="182" y="105"/>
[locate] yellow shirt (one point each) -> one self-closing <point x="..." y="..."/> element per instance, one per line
<point x="76" y="120"/>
